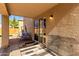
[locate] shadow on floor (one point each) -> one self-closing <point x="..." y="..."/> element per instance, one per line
<point x="14" y="44"/>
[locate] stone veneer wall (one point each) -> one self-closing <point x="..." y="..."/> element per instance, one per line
<point x="63" y="38"/>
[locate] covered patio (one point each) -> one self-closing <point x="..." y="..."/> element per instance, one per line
<point x="54" y="26"/>
<point x="29" y="11"/>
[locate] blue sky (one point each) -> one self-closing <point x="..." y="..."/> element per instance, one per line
<point x="0" y="18"/>
<point x="12" y="17"/>
<point x="16" y="17"/>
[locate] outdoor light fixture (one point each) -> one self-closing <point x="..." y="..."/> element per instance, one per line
<point x="51" y="17"/>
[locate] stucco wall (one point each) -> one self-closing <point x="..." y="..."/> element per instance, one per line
<point x="63" y="30"/>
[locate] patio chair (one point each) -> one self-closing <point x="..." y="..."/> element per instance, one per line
<point x="26" y="36"/>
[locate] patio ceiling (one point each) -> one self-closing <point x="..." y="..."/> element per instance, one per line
<point x="25" y="9"/>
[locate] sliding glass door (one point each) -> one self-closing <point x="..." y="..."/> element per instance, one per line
<point x="40" y="26"/>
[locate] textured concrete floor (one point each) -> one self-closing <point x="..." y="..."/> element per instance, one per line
<point x="18" y="48"/>
<point x="35" y="50"/>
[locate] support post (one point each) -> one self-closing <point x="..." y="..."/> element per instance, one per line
<point x="5" y="31"/>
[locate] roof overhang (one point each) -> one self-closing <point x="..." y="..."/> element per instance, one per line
<point x="25" y="9"/>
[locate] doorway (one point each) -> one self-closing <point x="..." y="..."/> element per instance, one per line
<point x="40" y="26"/>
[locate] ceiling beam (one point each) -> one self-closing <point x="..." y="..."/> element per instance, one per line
<point x="4" y="9"/>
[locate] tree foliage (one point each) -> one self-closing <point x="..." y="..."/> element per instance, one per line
<point x="14" y="23"/>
